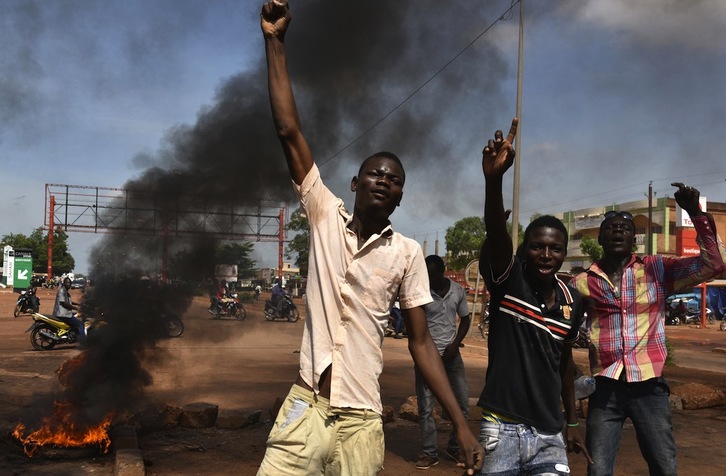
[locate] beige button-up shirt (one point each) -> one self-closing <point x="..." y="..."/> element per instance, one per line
<point x="350" y="291"/>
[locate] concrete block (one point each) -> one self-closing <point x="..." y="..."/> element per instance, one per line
<point x="236" y="418"/>
<point x="129" y="462"/>
<point x="695" y="395"/>
<point x="199" y="415"/>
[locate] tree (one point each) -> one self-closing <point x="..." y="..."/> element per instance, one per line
<point x="590" y="247"/>
<point x="239" y="254"/>
<point x="37" y="242"/>
<point x="464" y="240"/>
<point x="299" y="246"/>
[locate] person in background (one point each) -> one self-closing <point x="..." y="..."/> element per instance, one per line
<point x="331" y="421"/>
<point x="625" y="299"/>
<point x="397" y="320"/>
<point x="278" y="292"/>
<point x="533" y="320"/>
<point x="449" y="301"/>
<point x="258" y="291"/>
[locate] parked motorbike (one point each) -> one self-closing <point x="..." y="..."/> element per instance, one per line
<point x="483" y="325"/>
<point x="28" y="302"/>
<point x="173" y="326"/>
<point x="694" y="316"/>
<point x="287" y="310"/>
<point x="229" y="308"/>
<point x="46" y="332"/>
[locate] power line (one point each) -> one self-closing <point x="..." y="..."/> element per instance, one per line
<point x="506" y="15"/>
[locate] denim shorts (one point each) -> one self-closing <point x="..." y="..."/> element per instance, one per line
<point x="513" y="449"/>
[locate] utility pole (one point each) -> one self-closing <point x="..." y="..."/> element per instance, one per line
<point x="649" y="228"/>
<point x="518" y="139"/>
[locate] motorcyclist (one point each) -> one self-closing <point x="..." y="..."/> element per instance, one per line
<point x="681" y="310"/>
<point x="278" y="292"/>
<point x="64" y="307"/>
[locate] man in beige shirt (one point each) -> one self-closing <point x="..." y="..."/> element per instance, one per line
<point x="331" y="422"/>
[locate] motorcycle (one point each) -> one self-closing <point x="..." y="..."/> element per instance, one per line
<point x="484" y="323"/>
<point x="287" y="310"/>
<point x="693" y="316"/>
<point x="46" y="332"/>
<point x="27" y="303"/>
<point x="173" y="326"/>
<point x="229" y="308"/>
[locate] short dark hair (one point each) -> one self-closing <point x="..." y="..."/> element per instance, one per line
<point x="385" y="155"/>
<point x="545" y="221"/>
<point x="436" y="261"/>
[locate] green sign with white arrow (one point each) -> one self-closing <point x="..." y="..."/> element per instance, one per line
<point x="23" y="271"/>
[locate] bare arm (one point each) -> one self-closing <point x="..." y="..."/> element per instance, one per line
<point x="453" y="348"/>
<point x="274" y="21"/>
<point x="497" y="157"/>
<point x="428" y="361"/>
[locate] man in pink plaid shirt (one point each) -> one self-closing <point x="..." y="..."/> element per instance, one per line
<point x="625" y="299"/>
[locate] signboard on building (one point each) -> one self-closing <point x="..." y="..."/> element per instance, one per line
<point x="588" y="222"/>
<point x="228" y="272"/>
<point x="8" y="263"/>
<point x="686" y="244"/>
<point x="682" y="217"/>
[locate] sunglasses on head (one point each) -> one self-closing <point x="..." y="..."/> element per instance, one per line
<point x="613" y="214"/>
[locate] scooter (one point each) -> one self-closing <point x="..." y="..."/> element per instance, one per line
<point x="27" y="303"/>
<point x="46" y="332"/>
<point x="287" y="310"/>
<point x="694" y="316"/>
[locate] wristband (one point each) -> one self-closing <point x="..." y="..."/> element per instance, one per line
<point x="573" y="425"/>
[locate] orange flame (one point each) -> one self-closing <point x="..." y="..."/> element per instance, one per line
<point x="60" y="431"/>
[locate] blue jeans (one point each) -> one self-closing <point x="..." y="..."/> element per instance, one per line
<point x="397" y="320"/>
<point x="647" y="405"/>
<point x="77" y="324"/>
<point x="457" y="379"/>
<point x="513" y="449"/>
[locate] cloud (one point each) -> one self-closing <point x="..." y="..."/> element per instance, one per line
<point x="695" y="24"/>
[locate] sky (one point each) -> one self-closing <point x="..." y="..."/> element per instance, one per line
<point x="171" y="94"/>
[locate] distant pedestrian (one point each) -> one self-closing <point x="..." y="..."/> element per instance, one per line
<point x="258" y="291"/>
<point x="441" y="315"/>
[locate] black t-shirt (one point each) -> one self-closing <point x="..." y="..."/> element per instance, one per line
<point x="523" y="381"/>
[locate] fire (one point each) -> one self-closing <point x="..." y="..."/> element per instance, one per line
<point x="61" y="431"/>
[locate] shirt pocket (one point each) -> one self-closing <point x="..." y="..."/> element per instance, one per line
<point x="380" y="289"/>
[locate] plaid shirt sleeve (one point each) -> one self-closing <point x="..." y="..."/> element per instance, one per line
<point x="683" y="273"/>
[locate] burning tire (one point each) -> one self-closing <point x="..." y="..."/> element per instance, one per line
<point x="39" y="337"/>
<point x="240" y="312"/>
<point x="174" y="326"/>
<point x="293" y="314"/>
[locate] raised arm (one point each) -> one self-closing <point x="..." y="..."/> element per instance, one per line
<point x="497" y="157"/>
<point x="274" y="21"/>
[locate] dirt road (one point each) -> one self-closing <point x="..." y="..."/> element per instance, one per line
<point x="248" y="364"/>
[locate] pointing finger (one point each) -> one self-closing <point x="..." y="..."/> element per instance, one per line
<point x="513" y="130"/>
